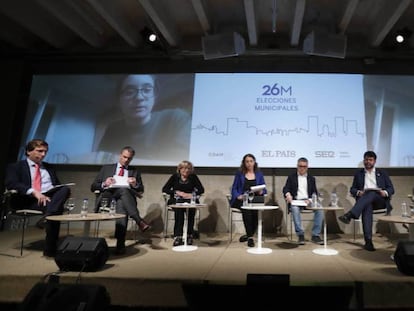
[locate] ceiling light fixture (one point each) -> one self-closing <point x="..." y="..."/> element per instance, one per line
<point x="403" y="35"/>
<point x="152" y="37"/>
<point x="148" y="35"/>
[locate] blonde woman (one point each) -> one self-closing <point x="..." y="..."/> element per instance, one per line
<point x="180" y="187"/>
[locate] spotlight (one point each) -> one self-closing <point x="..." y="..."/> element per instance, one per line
<point x="399" y="38"/>
<point x="403" y="35"/>
<point x="148" y="35"/>
<point x="152" y="37"/>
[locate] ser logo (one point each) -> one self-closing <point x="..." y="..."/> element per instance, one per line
<point x="324" y="154"/>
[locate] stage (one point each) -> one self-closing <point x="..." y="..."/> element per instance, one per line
<point x="151" y="274"/>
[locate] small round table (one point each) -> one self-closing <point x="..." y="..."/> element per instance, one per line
<point x="325" y="250"/>
<point x="260" y="208"/>
<point x="87" y="220"/>
<point x="401" y="220"/>
<point x="187" y="206"/>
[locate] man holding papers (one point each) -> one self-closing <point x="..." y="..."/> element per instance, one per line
<point x="123" y="183"/>
<point x="38" y="187"/>
<point x="372" y="189"/>
<point x="298" y="189"/>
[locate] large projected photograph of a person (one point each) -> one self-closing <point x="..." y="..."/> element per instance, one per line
<point x="156" y="134"/>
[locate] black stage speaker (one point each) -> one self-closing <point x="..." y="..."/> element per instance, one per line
<point x="223" y="45"/>
<point x="404" y="257"/>
<point x="325" y="44"/>
<point x="66" y="297"/>
<point x="82" y="254"/>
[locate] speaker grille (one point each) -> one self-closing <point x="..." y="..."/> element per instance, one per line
<point x="404" y="257"/>
<point x="82" y="254"/>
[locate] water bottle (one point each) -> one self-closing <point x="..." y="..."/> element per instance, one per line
<point x="334" y="199"/>
<point x="193" y="198"/>
<point x="404" y="211"/>
<point x="245" y="198"/>
<point x="314" y="200"/>
<point x="112" y="208"/>
<point x="84" y="210"/>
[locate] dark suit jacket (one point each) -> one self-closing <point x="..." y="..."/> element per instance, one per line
<point x="383" y="182"/>
<point x="292" y="185"/>
<point x="238" y="185"/>
<point x="18" y="176"/>
<point x="108" y="171"/>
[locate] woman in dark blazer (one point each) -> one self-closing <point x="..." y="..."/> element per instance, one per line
<point x="247" y="176"/>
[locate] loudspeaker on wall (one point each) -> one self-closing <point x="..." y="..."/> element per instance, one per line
<point x="82" y="254"/>
<point x="325" y="44"/>
<point x="404" y="257"/>
<point x="223" y="45"/>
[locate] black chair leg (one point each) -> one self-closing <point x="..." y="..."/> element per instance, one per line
<point x="23" y="231"/>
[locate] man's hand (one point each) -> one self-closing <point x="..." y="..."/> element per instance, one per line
<point x="41" y="198"/>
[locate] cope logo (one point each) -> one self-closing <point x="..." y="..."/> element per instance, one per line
<point x="324" y="154"/>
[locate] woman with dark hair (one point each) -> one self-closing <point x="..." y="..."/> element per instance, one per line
<point x="247" y="176"/>
<point x="155" y="134"/>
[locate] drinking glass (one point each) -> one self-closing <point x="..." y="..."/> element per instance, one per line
<point x="334" y="199"/>
<point x="319" y="201"/>
<point x="70" y="205"/>
<point x="404" y="210"/>
<point x="104" y="205"/>
<point x="176" y="197"/>
<point x="251" y="197"/>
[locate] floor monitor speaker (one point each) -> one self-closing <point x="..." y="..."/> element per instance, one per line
<point x="66" y="297"/>
<point x="404" y="257"/>
<point x="82" y="254"/>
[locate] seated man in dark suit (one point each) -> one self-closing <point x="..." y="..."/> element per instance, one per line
<point x="34" y="181"/>
<point x="126" y="197"/>
<point x="372" y="188"/>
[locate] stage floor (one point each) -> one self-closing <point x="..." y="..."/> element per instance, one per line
<point x="152" y="274"/>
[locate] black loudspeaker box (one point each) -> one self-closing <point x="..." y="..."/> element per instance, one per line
<point x="223" y="45"/>
<point x="404" y="257"/>
<point x="82" y="254"/>
<point x="66" y="297"/>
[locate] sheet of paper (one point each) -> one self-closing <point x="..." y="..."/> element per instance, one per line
<point x="299" y="203"/>
<point x="120" y="182"/>
<point x="257" y="188"/>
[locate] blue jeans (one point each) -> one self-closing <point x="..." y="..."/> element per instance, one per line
<point x="297" y="220"/>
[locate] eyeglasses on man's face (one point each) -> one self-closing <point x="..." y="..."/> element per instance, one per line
<point x="302" y="166"/>
<point x="132" y="92"/>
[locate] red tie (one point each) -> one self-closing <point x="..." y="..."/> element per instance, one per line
<point x="37" y="182"/>
<point x="121" y="171"/>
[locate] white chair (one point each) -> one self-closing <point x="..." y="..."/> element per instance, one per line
<point x="306" y="216"/>
<point x="358" y="221"/>
<point x="231" y="217"/>
<point x="8" y="209"/>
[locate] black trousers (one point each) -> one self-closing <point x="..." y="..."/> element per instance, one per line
<point x="250" y="218"/>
